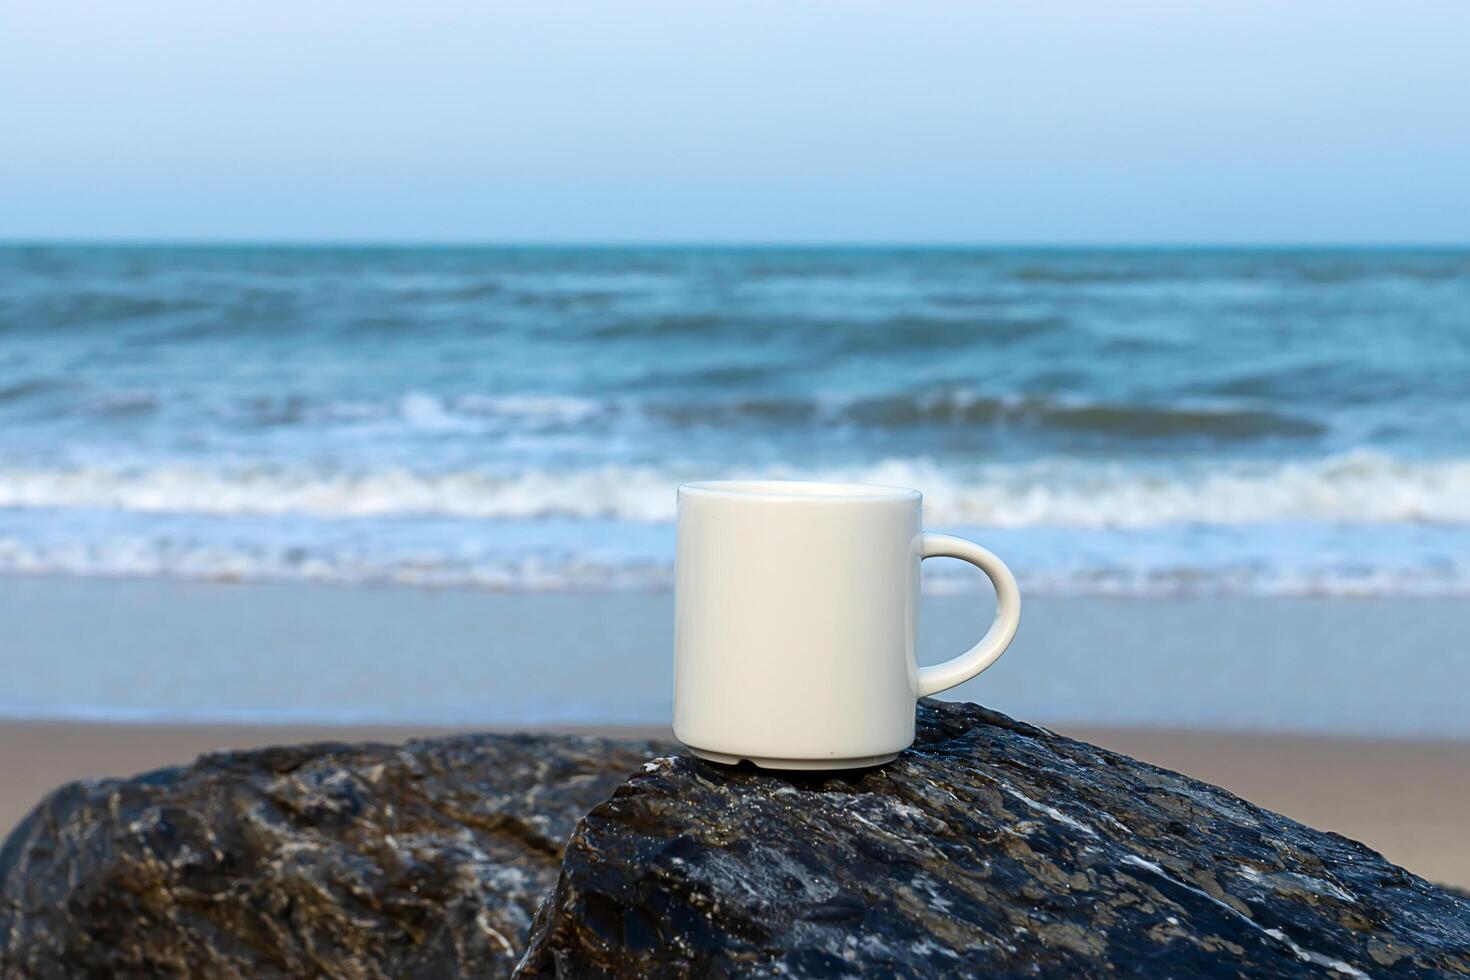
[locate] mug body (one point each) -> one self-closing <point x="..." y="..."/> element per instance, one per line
<point x="796" y="610"/>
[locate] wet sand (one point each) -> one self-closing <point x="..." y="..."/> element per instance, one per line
<point x="144" y="650"/>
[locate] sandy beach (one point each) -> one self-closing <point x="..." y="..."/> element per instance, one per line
<point x="1406" y="799"/>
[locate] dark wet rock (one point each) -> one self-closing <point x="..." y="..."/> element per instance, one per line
<point x="992" y="848"/>
<point x="422" y="860"/>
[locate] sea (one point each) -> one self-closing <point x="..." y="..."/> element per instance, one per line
<point x="1139" y="422"/>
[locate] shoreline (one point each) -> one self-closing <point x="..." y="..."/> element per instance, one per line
<point x="1348" y="715"/>
<point x="155" y="650"/>
<point x="1403" y="797"/>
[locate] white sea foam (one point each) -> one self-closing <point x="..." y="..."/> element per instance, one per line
<point x="625" y="493"/>
<point x="136" y="556"/>
<point x="566" y="409"/>
<point x="1359" y="487"/>
<point x="557" y="554"/>
<point x="471" y="412"/>
<point x="1358" y="524"/>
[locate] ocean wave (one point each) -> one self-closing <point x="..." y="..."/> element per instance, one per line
<point x="907" y="332"/>
<point x="1076" y="563"/>
<point x="1074" y="275"/>
<point x="165" y="556"/>
<point x="24" y="388"/>
<point x="665" y="326"/>
<point x="942" y="407"/>
<point x="960" y="406"/>
<point x="1360" y="487"/>
<point x="635" y="494"/>
<point x="960" y="326"/>
<point x="1321" y="268"/>
<point x="560" y="408"/>
<point x="701" y="395"/>
<point x="416" y="411"/>
<point x="85" y="309"/>
<point x="425" y="411"/>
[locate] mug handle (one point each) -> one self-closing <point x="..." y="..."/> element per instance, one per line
<point x="942" y="677"/>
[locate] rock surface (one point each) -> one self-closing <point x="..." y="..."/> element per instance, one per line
<point x="992" y="848"/>
<point x="422" y="860"/>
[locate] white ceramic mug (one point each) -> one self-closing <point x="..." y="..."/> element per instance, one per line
<point x="796" y="609"/>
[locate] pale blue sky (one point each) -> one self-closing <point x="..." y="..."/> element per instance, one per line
<point x="751" y="121"/>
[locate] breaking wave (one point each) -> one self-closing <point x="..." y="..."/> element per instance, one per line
<point x="939" y="407"/>
<point x="1360" y="487"/>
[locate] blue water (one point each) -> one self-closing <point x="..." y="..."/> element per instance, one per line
<point x="1129" y="422"/>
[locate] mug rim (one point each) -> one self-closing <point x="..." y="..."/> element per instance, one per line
<point x="792" y="490"/>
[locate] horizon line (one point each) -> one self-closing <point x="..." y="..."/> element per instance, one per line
<point x="733" y="244"/>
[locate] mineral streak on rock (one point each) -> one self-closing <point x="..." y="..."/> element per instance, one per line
<point x="422" y="860"/>
<point x="990" y="848"/>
